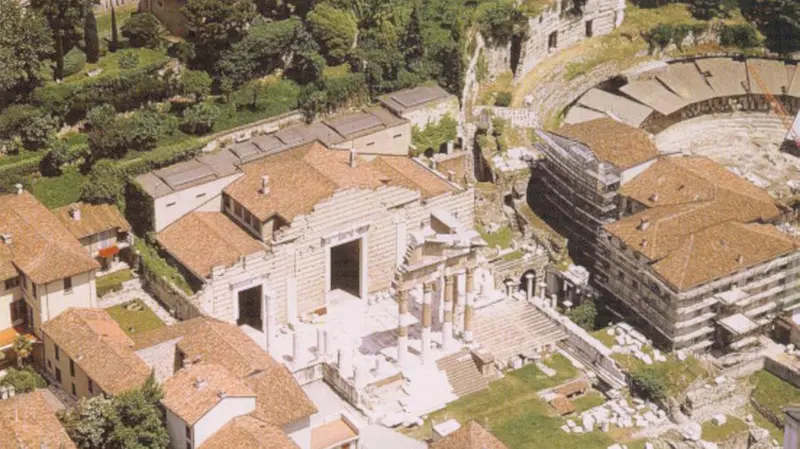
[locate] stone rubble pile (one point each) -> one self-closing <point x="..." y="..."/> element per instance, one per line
<point x="514" y="159"/>
<point x="619" y="413"/>
<point x="630" y="341"/>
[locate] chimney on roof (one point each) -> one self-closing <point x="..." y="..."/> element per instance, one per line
<point x="654" y="198"/>
<point x="199" y="383"/>
<point x="740" y="259"/>
<point x="6" y="238"/>
<point x="264" y="185"/>
<point x="645" y="223"/>
<point x="222" y="395"/>
<point x="75" y="213"/>
<point x="19" y="188"/>
<point x="353" y="156"/>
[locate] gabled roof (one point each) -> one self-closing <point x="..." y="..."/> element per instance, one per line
<point x="27" y="421"/>
<point x="94" y="219"/>
<point x="611" y="141"/>
<point x="302" y="177"/>
<point x="469" y="436"/>
<point x="95" y="342"/>
<point x="41" y="247"/>
<point x="280" y="400"/>
<point x="409" y="99"/>
<point x="251" y="433"/>
<point x="194" y="391"/>
<point x="203" y="240"/>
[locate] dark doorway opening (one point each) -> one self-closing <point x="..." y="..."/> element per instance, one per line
<point x="516" y="52"/>
<point x="589" y="28"/>
<point x="346" y="267"/>
<point x="250" y="304"/>
<point x="552" y="41"/>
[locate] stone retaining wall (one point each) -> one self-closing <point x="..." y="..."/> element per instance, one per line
<point x="176" y="301"/>
<point x="249" y="130"/>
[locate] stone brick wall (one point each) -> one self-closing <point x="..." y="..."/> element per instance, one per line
<point x="160" y="358"/>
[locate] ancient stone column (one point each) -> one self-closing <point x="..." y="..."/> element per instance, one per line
<point x="427" y="298"/>
<point x="458" y="298"/>
<point x="541" y="291"/>
<point x="345" y="363"/>
<point x="470" y="304"/>
<point x="298" y="354"/>
<point x="320" y="342"/>
<point x="529" y="286"/>
<point x="270" y="328"/>
<point x="402" y="327"/>
<point x="447" y="327"/>
<point x="509" y="288"/>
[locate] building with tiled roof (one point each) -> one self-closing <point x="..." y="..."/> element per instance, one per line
<point x="696" y="245"/>
<point x="423" y="105"/>
<point x="28" y="421"/>
<point x="87" y="354"/>
<point x="44" y="270"/>
<point x="470" y="436"/>
<point x="101" y="228"/>
<point x="583" y="168"/>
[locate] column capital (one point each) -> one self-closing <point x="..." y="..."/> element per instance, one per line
<point x="427" y="287"/>
<point x="449" y="279"/>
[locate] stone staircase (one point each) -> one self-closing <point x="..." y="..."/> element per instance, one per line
<point x="463" y="373"/>
<point x="512" y="327"/>
<point x="602" y="374"/>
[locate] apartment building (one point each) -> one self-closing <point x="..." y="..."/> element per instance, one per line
<point x="30" y="422"/>
<point x="578" y="181"/>
<point x="696" y="255"/>
<point x="44" y="270"/>
<point x="102" y="230"/>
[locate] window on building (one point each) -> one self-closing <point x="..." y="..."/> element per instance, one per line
<point x="397" y="136"/>
<point x="58" y="375"/>
<point x="71" y="368"/>
<point x="57" y="352"/>
<point x="12" y="283"/>
<point x="552" y="40"/>
<point x="49" y="365"/>
<point x="246" y="216"/>
<point x="68" y="284"/>
<point x="589" y="28"/>
<point x="369" y="144"/>
<point x="188" y="434"/>
<point x="171" y="204"/>
<point x="33" y="287"/>
<point x="91" y="386"/>
<point x="74" y="393"/>
<point x="188" y="445"/>
<point x="237" y="209"/>
<point x="17" y="310"/>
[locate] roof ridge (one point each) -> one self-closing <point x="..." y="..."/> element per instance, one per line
<point x="688" y="258"/>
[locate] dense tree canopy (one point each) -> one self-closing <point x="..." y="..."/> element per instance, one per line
<point x="215" y="25"/>
<point x="334" y="29"/>
<point x="778" y="20"/>
<point x="24" y="41"/>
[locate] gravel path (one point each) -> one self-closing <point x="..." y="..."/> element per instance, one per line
<point x="131" y="290"/>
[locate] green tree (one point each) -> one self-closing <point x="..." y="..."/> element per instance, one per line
<point x="501" y="20"/>
<point x="91" y="41"/>
<point x="65" y="19"/>
<point x="91" y="422"/>
<point x="584" y="315"/>
<point x="113" y="45"/>
<point x="334" y="29"/>
<point x="57" y="155"/>
<point x="23" y="380"/>
<point x="308" y="63"/>
<point x="200" y="118"/>
<point x="24" y="41"/>
<point x="412" y="41"/>
<point x="215" y="25"/>
<point x="143" y="30"/>
<point x="709" y="9"/>
<point x="196" y="84"/>
<point x="22" y="350"/>
<point x="37" y="132"/>
<point x="648" y="383"/>
<point x="105" y="184"/>
<point x="778" y="20"/>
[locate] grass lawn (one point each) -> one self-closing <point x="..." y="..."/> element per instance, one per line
<point x="676" y="374"/>
<point x="588" y="401"/>
<point x="336" y="71"/>
<point x="775" y="431"/>
<point x="604" y="338"/>
<point x="60" y="190"/>
<point x="112" y="282"/>
<point x="110" y="63"/>
<point x="138" y="321"/>
<point x="536" y="380"/>
<point x="715" y="433"/>
<point x="500" y="239"/>
<point x="773" y="393"/>
<point x="488" y="91"/>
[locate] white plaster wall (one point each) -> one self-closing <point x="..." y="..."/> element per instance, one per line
<point x="187" y="200"/>
<point x="52" y="299"/>
<point x="6" y="298"/>
<point x="177" y="431"/>
<point x="300" y="432"/>
<point x="160" y="358"/>
<point x="221" y="414"/>
<point x="391" y="141"/>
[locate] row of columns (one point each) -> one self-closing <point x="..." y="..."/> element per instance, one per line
<point x="449" y="304"/>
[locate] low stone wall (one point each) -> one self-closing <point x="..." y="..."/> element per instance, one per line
<point x="176" y="301"/>
<point x="341" y="385"/>
<point x="783" y="369"/>
<point x="517" y="117"/>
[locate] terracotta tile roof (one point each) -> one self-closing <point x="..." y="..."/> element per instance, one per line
<point x="329" y="434"/>
<point x="469" y="436"/>
<point x="611" y="141"/>
<point x="95" y="342"/>
<point x="720" y="250"/>
<point x="27" y="421"/>
<point x="95" y="218"/>
<point x="302" y="177"/>
<point x="578" y="386"/>
<point x="194" y="391"/>
<point x="203" y="240"/>
<point x="692" y="179"/>
<point x="251" y="433"/>
<point x="41" y="247"/>
<point x="204" y="340"/>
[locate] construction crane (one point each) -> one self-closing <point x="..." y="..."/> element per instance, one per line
<point x="776" y="106"/>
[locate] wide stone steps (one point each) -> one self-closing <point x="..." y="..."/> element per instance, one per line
<point x="512" y="327"/>
<point x="463" y="373"/>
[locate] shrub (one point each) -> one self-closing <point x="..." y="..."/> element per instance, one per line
<point x="584" y="315"/>
<point x="38" y="131"/>
<point x="200" y="118"/>
<point x="709" y="9"/>
<point x="503" y="99"/>
<point x="23" y="380"/>
<point x="661" y="35"/>
<point x="90" y="37"/>
<point x="15" y="117"/>
<point x="106" y="184"/>
<point x="434" y="135"/>
<point x="500" y="21"/>
<point x="143" y="30"/>
<point x="196" y="83"/>
<point x="741" y="36"/>
<point x="649" y="384"/>
<point x="54" y="159"/>
<point x="74" y="61"/>
<point x="128" y="60"/>
<point x="101" y="116"/>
